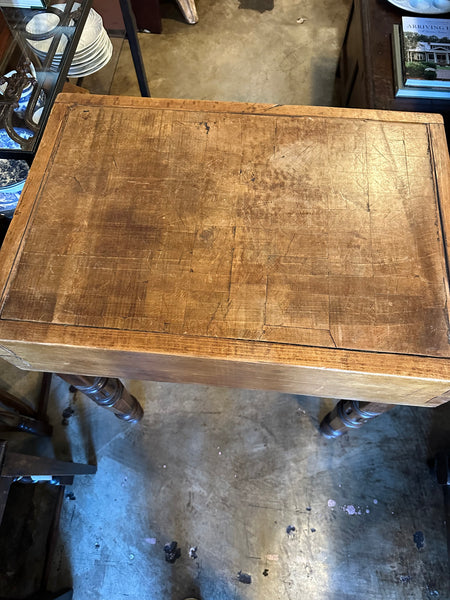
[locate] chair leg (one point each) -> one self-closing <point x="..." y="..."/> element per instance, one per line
<point x="43" y="396"/>
<point x="24" y="418"/>
<point x="14" y="465"/>
<point x="27" y="424"/>
<point x="5" y="484"/>
<point x="61" y="595"/>
<point x="52" y="539"/>
<point x="109" y="393"/>
<point x="66" y="594"/>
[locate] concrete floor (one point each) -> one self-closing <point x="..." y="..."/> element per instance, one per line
<point x="227" y="471"/>
<point x="286" y="54"/>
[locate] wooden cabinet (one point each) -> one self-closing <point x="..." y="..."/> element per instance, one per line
<point x="364" y="77"/>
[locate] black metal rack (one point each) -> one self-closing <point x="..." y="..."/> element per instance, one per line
<point x="21" y="134"/>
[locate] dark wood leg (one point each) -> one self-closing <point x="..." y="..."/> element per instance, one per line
<point x="22" y="417"/>
<point x="5" y="484"/>
<point x="52" y="540"/>
<point x="27" y="424"/>
<point x="442" y="467"/>
<point x="350" y="414"/>
<point x="107" y="392"/>
<point x="14" y="465"/>
<point x="43" y="396"/>
<point x="61" y="595"/>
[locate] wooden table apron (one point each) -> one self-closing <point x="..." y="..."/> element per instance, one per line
<point x="299" y="249"/>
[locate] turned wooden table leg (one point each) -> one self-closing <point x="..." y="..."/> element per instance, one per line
<point x="350" y="414"/>
<point x="107" y="392"/>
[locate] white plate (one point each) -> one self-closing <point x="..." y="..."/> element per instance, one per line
<point x="97" y="42"/>
<point x="13" y="174"/>
<point x="86" y="57"/>
<point x="37" y="115"/>
<point x="96" y="62"/>
<point x="91" y="31"/>
<point x="92" y="67"/>
<point x="83" y="60"/>
<point x="425" y="7"/>
<point x="44" y="22"/>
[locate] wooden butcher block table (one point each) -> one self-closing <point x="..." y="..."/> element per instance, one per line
<point x="290" y="248"/>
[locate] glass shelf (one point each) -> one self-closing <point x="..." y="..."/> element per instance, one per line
<point x="33" y="68"/>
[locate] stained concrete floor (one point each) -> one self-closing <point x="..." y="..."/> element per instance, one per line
<point x="285" y="54"/>
<point x="227" y="471"/>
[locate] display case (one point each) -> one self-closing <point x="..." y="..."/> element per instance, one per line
<point x="38" y="47"/>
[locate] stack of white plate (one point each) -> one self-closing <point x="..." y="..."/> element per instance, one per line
<point x="94" y="49"/>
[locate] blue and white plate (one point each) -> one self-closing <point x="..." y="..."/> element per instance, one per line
<point x="8" y="203"/>
<point x="8" y="143"/>
<point x="13" y="174"/>
<point x="424" y="7"/>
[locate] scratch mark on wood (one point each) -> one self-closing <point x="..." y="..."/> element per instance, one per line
<point x="273" y="106"/>
<point x="289" y="245"/>
<point x="332" y="338"/>
<point x="213" y="316"/>
<point x="78" y="182"/>
<point x="265" y="303"/>
<point x="230" y="275"/>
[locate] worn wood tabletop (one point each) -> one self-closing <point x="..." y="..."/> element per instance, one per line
<point x="293" y="248"/>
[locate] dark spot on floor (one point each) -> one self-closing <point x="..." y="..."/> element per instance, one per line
<point x="313" y="530"/>
<point x="172" y="552"/>
<point x="419" y="540"/>
<point x="71" y="496"/>
<point x="258" y="5"/>
<point x="265" y="572"/>
<point x="290" y="529"/>
<point x="244" y="577"/>
<point x="66" y="414"/>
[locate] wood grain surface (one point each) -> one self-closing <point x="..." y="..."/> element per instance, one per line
<point x="176" y="228"/>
